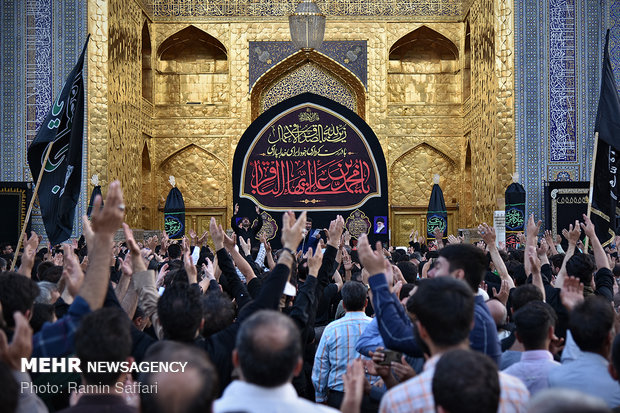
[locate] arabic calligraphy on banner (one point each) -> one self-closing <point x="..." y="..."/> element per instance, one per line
<point x="312" y="158"/>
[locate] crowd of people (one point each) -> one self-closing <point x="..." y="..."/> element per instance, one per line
<point x="224" y="323"/>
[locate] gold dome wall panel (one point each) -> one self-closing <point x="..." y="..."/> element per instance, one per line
<point x="417" y="105"/>
<point x="411" y="176"/>
<point x="200" y="176"/>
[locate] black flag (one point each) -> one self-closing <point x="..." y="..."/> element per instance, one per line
<point x="515" y="213"/>
<point x="436" y="216"/>
<point x="63" y="126"/>
<point x="96" y="191"/>
<point x="604" y="190"/>
<point x="174" y="214"/>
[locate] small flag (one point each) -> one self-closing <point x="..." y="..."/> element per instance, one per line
<point x="515" y="212"/>
<point x="174" y="213"/>
<point x="63" y="127"/>
<point x="437" y="215"/>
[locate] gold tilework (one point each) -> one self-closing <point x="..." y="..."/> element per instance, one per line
<point x="416" y="108"/>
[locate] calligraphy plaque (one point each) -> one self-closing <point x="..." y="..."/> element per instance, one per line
<point x="309" y="153"/>
<point x="309" y="157"/>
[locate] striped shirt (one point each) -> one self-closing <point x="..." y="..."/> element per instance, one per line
<point x="335" y="351"/>
<point x="416" y="394"/>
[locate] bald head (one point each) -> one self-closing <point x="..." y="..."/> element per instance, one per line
<point x="498" y="312"/>
<point x="268" y="349"/>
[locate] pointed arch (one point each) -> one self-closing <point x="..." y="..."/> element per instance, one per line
<point x="422" y="145"/>
<point x="411" y="175"/>
<point x="210" y="154"/>
<point x="423" y="39"/>
<point x="191" y="43"/>
<point x="467" y="63"/>
<point x="147" y="64"/>
<point x="296" y="61"/>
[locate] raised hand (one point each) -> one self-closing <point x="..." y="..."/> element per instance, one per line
<point x="236" y="209"/>
<point x="72" y="272"/>
<point x="217" y="234"/>
<point x="21" y="344"/>
<point x="107" y="220"/>
<point x="573" y="233"/>
<point x="373" y="261"/>
<point x="453" y="240"/>
<point x="203" y="239"/>
<point x="487" y="233"/>
<point x="588" y="227"/>
<point x="292" y="230"/>
<point x="137" y="262"/>
<point x="504" y="292"/>
<point x="30" y="251"/>
<point x="532" y="228"/>
<point x="245" y="246"/>
<point x="314" y="261"/>
<point x="192" y="236"/>
<point x="334" y="232"/>
<point x="571" y="293"/>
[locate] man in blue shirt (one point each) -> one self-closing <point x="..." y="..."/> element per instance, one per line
<point x="460" y="261"/>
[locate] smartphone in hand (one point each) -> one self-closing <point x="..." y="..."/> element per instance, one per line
<point x="390" y="356"/>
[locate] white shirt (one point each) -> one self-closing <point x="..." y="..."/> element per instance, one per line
<point x="240" y="396"/>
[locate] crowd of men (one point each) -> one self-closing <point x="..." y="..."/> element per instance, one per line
<point x="324" y="323"/>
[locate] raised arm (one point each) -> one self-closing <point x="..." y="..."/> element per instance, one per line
<point x="599" y="253"/>
<point x="531" y="239"/>
<point x="572" y="235"/>
<point x="488" y="235"/>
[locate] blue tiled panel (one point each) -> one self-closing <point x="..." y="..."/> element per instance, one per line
<point x="265" y="55"/>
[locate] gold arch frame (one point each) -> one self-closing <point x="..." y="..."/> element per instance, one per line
<point x="298" y="59"/>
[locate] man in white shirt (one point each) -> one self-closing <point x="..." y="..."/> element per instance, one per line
<point x="268" y="352"/>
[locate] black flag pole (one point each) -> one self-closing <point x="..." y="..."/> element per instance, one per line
<point x="34" y="195"/>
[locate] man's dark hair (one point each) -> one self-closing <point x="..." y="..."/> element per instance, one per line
<point x="470" y="259"/>
<point x="615" y="353"/>
<point x="217" y="311"/>
<point x="174" y="251"/>
<point x="9" y="391"/>
<point x="41" y="268"/>
<point x="405" y="290"/>
<point x="3" y="264"/>
<point x="52" y="274"/>
<point x="308" y="219"/>
<point x="180" y="312"/>
<point x="41" y="313"/>
<point x="194" y="389"/>
<point x="533" y="321"/>
<point x="466" y="381"/>
<point x="17" y="293"/>
<point x="176" y="273"/>
<point x="581" y="266"/>
<point x="590" y="323"/>
<point x="445" y="307"/>
<point x="409" y="270"/>
<point x="302" y="269"/>
<point x="557" y="260"/>
<point x="103" y="335"/>
<point x="517" y="271"/>
<point x="269" y="348"/>
<point x="354" y="296"/>
<point x="523" y="295"/>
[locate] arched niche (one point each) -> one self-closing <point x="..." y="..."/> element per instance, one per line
<point x="148" y="198"/>
<point x="197" y="169"/>
<point x="424" y="68"/>
<point x="147" y="64"/>
<point x="467" y="64"/>
<point x="192" y="68"/>
<point x="467" y="188"/>
<point x="289" y="78"/>
<point x="411" y="176"/>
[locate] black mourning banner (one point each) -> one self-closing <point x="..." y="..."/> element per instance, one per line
<point x="14" y="200"/>
<point x="564" y="203"/>
<point x="96" y="191"/>
<point x="311" y="153"/>
<point x="604" y="194"/>
<point x="63" y="126"/>
<point x="437" y="215"/>
<point x="515" y="213"/>
<point x="174" y="214"/>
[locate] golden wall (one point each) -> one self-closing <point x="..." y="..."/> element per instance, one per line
<point x="439" y="97"/>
